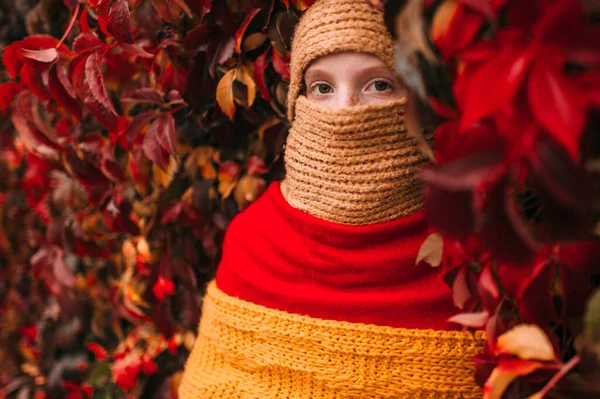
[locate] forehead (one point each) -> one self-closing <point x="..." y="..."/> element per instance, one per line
<point x="346" y="62"/>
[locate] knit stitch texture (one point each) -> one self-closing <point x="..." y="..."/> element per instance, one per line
<point x="355" y="165"/>
<point x="335" y="26"/>
<point x="248" y="351"/>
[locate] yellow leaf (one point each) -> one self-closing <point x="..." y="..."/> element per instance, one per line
<point x="225" y="93"/>
<point x="247" y="190"/>
<point x="254" y="41"/>
<point x="527" y="341"/>
<point x="143" y="248"/>
<point x="431" y="250"/>
<point x="244" y="76"/>
<point x="166" y="176"/>
<point x="129" y="253"/>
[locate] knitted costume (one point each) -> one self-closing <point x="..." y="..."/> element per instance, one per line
<point x="317" y="294"/>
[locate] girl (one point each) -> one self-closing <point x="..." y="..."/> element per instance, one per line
<point x="317" y="294"/>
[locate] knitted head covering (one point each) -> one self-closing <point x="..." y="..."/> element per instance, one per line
<point x="336" y="26"/>
<point x="356" y="165"/>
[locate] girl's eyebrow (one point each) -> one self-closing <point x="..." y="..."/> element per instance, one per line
<point x="315" y="72"/>
<point x="377" y="70"/>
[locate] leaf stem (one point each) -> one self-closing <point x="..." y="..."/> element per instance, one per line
<point x="71" y="23"/>
<point x="561" y="373"/>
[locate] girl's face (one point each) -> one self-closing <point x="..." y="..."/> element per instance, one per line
<point x="345" y="79"/>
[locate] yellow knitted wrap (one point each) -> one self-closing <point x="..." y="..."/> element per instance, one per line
<point x="248" y="351"/>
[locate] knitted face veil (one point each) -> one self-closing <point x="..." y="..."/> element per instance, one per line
<point x="355" y="165"/>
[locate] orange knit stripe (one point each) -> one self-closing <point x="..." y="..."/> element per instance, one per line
<point x="248" y="351"/>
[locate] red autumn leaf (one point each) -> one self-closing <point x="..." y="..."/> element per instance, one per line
<point x="281" y="64"/>
<point x="30" y="139"/>
<point x="135" y="127"/>
<point x="95" y="81"/>
<point x="167" y="135"/>
<point x="172" y="214"/>
<point x="60" y="94"/>
<point x="119" y="21"/>
<point x="32" y="77"/>
<point x="458" y="223"/>
<point x="557" y="105"/>
<point x="89" y="249"/>
<point x="255" y="165"/>
<point x="8" y="92"/>
<point x="119" y="25"/>
<point x="152" y="147"/>
<point x="87" y="389"/>
<point x="536" y="294"/>
<point x="29" y="331"/>
<point x="125" y="372"/>
<point x="501" y="76"/>
<point x="466" y="173"/>
<point x="84" y="27"/>
<point x="146" y="95"/>
<point x="239" y="34"/>
<point x="454" y="26"/>
<point x="62" y="71"/>
<point x="61" y="271"/>
<point x="173" y="345"/>
<point x="11" y="60"/>
<point x="12" y="56"/>
<point x="99" y="352"/>
<point x="228" y="170"/>
<point x="205" y="7"/>
<point x="502" y="228"/>
<point x="87" y="42"/>
<point x="112" y="170"/>
<point x="162" y="288"/>
<point x="149" y="366"/>
<point x="258" y="73"/>
<point x="85" y="171"/>
<point x="46" y="55"/>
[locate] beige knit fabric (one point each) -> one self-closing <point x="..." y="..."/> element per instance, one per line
<point x="356" y="165"/>
<point x="335" y="26"/>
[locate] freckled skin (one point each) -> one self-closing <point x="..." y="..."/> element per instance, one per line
<point x="345" y="79"/>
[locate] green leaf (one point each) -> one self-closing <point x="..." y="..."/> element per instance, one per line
<point x="592" y="316"/>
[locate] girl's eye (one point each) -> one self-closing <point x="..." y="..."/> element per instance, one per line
<point x="380" y="85"/>
<point x="322" y="88"/>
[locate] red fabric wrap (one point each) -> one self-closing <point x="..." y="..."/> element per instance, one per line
<point x="279" y="257"/>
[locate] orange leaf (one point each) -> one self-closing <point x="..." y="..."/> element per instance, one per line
<point x="244" y="76"/>
<point x="225" y="93"/>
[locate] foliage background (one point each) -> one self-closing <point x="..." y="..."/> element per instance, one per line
<point x="119" y="172"/>
<point x="132" y="131"/>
